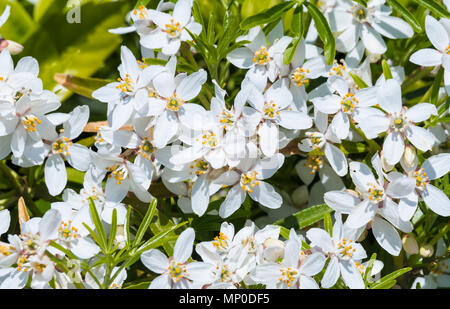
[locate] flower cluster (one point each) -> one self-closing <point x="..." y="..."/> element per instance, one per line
<point x="213" y="145"/>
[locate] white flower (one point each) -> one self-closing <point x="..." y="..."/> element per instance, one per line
<point x="248" y="177"/>
<point x="129" y="93"/>
<point x="324" y="139"/>
<point x="342" y="250"/>
<point x="72" y="234"/>
<point x="5" y="219"/>
<point x="433" y="168"/>
<point x="344" y="105"/>
<point x="263" y="61"/>
<point x="169" y="105"/>
<point x="399" y="122"/>
<point x="377" y="203"/>
<point x="294" y="271"/>
<point x="62" y="148"/>
<point x="175" y="272"/>
<point x="273" y="107"/>
<point x="123" y="176"/>
<point x="354" y="22"/>
<point x="439" y="35"/>
<point x="171" y="29"/>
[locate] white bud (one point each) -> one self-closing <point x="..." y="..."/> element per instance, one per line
<point x="409" y="158"/>
<point x="426" y="250"/>
<point x="410" y="244"/>
<point x="386" y="166"/>
<point x="273" y="249"/>
<point x="14" y="47"/>
<point x="300" y="196"/>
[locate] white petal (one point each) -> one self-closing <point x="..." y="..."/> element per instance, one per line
<point x="393" y="27"/>
<point x="232" y="202"/>
<point x="200" y="195"/>
<point x="184" y="245"/>
<point x="421" y="112"/>
<point x="427" y="57"/>
<point x="155" y="260"/>
<point x="331" y="274"/>
<point x="420" y="138"/>
<point x="241" y="57"/>
<point x="393" y="148"/>
<point x="390" y="96"/>
<point x="340" y="125"/>
<point x="437" y="165"/>
<point x="55" y="174"/>
<point x="351" y="275"/>
<point x="387" y="236"/>
<point x="362" y="214"/>
<point x="436" y="33"/>
<point x="190" y="86"/>
<point x="336" y="158"/>
<point x="372" y="40"/>
<point x="166" y="127"/>
<point x="341" y="201"/>
<point x="266" y="195"/>
<point x="268" y="134"/>
<point x="436" y="200"/>
<point x="407" y="206"/>
<point x="320" y="238"/>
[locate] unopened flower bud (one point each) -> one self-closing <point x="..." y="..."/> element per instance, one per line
<point x="386" y="166"/>
<point x="410" y="244"/>
<point x="273" y="249"/>
<point x="408" y="159"/>
<point x="426" y="250"/>
<point x="300" y="196"/>
<point x="14" y="47"/>
<point x="373" y="57"/>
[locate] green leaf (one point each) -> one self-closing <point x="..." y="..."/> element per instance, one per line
<point x="383" y="282"/>
<point x="305" y="217"/>
<point x="79" y="85"/>
<point x="160" y="238"/>
<point x="284" y="232"/>
<point x="434" y="7"/>
<point x="410" y="18"/>
<point x="436" y="86"/>
<point x="20" y="25"/>
<point x="290" y="51"/>
<point x="98" y="226"/>
<point x="297" y="21"/>
<point x="369" y="267"/>
<point x="112" y="231"/>
<point x="386" y="70"/>
<point x="358" y="81"/>
<point x="328" y="224"/>
<point x="385" y="285"/>
<point x="324" y="31"/>
<point x="145" y="222"/>
<point x="267" y="16"/>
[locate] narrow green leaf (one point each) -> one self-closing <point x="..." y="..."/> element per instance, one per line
<point x="145" y="222"/>
<point x="324" y="31"/>
<point x="369" y="267"/>
<point x="435" y="7"/>
<point x="358" y="81"/>
<point x="305" y="217"/>
<point x="437" y="86"/>
<point x="390" y="277"/>
<point x="211" y="34"/>
<point x="284" y="232"/>
<point x="267" y="16"/>
<point x="112" y="231"/>
<point x="386" y="70"/>
<point x="385" y="285"/>
<point x="98" y="225"/>
<point x="328" y="224"/>
<point x="410" y="18"/>
<point x="80" y="85"/>
<point x="159" y="239"/>
<point x="290" y="51"/>
<point x="62" y="249"/>
<point x="297" y="20"/>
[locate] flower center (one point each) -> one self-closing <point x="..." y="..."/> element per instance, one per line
<point x="146" y="149"/>
<point x="338" y="68"/>
<point x="225" y="274"/>
<point x="421" y="178"/>
<point x="62" y="145"/>
<point x="271" y="110"/>
<point x="399" y="122"/>
<point x="67" y="232"/>
<point x="316" y="139"/>
<point x="250" y="241"/>
<point x="177" y="271"/>
<point x="22" y="264"/>
<point x="348" y="103"/>
<point x="360" y="13"/>
<point x="199" y="167"/>
<point x="119" y="172"/>
<point x="226" y="118"/>
<point x="249" y="181"/>
<point x="210" y="140"/>
<point x="6" y="250"/>
<point x="220" y="242"/>
<point x="30" y="122"/>
<point x="447" y="50"/>
<point x="345" y="248"/>
<point x="30" y="243"/>
<point x="261" y="56"/>
<point x="299" y="76"/>
<point x="39" y="267"/>
<point x="376" y="194"/>
<point x="315" y="163"/>
<point x="126" y="84"/>
<point x="174" y="103"/>
<point x="173" y="29"/>
<point x="141" y="12"/>
<point x="288" y="276"/>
